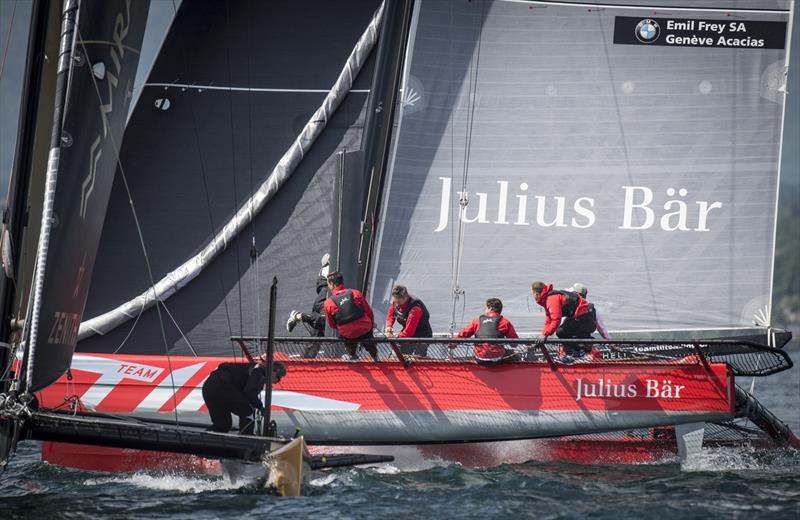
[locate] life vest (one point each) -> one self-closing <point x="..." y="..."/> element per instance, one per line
<point x="571" y="302"/>
<point x="488" y="328"/>
<point x="424" y="329"/>
<point x="346" y="309"/>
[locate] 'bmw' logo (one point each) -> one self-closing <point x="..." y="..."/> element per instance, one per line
<point x="647" y="31"/>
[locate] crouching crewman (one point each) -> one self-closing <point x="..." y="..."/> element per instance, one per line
<point x="235" y="388"/>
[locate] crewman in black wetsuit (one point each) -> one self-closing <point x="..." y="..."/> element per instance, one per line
<point x="234" y="388"/>
<point x="314" y="321"/>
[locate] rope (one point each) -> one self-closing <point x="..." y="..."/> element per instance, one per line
<point x="233" y="166"/>
<point x="463" y="200"/>
<point x="8" y="38"/>
<point x="211" y="224"/>
<point x="254" y="248"/>
<point x="130" y="332"/>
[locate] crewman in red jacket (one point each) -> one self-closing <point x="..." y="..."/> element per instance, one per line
<point x="350" y="315"/>
<point x="413" y="316"/>
<point x="490" y="325"/>
<point x="579" y="317"/>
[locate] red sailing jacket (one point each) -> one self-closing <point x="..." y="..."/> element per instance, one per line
<point x="411" y="322"/>
<point x="354" y="329"/>
<point x="486" y="350"/>
<point x="552" y="304"/>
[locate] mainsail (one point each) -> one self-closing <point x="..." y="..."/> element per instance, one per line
<point x="97" y="62"/>
<point x="217" y="115"/>
<point x="630" y="149"/>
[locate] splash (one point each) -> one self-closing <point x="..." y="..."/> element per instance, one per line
<point x="178" y="483"/>
<point x="773" y="461"/>
<point x="330" y="480"/>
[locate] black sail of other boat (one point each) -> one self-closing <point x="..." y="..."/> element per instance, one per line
<point x="97" y="62"/>
<point x="94" y="68"/>
<point x="226" y="107"/>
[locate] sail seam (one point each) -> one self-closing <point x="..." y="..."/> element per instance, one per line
<point x="598" y="5"/>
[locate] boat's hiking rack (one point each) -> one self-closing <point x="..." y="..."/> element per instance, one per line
<point x="746" y="358"/>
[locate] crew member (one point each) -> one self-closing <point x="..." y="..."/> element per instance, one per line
<point x="234" y="388"/>
<point x="413" y="317"/>
<point x="314" y="321"/>
<point x="579" y="317"/>
<point x="601" y="327"/>
<point x="348" y="313"/>
<point x="490" y="325"/>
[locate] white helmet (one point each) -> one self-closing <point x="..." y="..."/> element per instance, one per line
<point x="580" y="289"/>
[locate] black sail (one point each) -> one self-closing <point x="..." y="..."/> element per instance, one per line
<point x="233" y="86"/>
<point x="104" y="57"/>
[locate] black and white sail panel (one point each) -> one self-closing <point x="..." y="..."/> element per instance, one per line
<point x="634" y="151"/>
<point x="233" y="86"/>
<point x="100" y="54"/>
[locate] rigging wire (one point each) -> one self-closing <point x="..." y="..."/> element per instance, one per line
<point x="233" y="165"/>
<point x="171" y="317"/>
<point x="8" y="38"/>
<point x="254" y="247"/>
<point x="130" y="332"/>
<point x="138" y="226"/>
<point x="211" y="224"/>
<point x="463" y="200"/>
<point x="452" y="326"/>
<point x="628" y="170"/>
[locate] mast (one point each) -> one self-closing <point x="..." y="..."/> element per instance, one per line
<point x="15" y="217"/>
<point x="68" y="18"/>
<point x="380" y="118"/>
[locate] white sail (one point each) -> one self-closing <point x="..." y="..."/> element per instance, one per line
<point x="597" y="145"/>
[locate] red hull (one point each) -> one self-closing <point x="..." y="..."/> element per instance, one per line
<point x="130" y="384"/>
<point x="336" y="402"/>
<point x="115" y="460"/>
<point x="480" y="455"/>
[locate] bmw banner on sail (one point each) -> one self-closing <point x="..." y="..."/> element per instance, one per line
<point x="683" y="32"/>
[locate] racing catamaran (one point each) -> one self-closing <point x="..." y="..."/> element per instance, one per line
<point x="457" y="148"/>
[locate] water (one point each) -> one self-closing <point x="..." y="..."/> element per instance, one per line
<point x="722" y="483"/>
